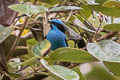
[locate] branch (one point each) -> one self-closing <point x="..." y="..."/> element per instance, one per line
<point x="11" y="52"/>
<point x="107" y="36"/>
<point x="94" y="38"/>
<point x="86" y="21"/>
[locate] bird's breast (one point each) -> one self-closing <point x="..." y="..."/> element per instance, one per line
<point x="57" y="39"/>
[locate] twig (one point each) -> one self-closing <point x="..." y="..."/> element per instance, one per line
<point x="45" y="24"/>
<point x="107" y="36"/>
<point x="91" y="26"/>
<point x="94" y="38"/>
<point x="34" y="2"/>
<point x="23" y="68"/>
<point x="71" y="12"/>
<point x="11" y="52"/>
<point x="33" y="69"/>
<point x="61" y="11"/>
<point x="23" y="77"/>
<point x="78" y="30"/>
<point x="21" y="47"/>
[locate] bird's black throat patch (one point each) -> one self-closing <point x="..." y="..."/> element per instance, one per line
<point x="59" y="26"/>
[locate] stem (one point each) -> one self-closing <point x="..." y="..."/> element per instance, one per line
<point x="78" y="30"/>
<point x="70" y="14"/>
<point x="94" y="38"/>
<point x="91" y="26"/>
<point x="35" y="2"/>
<point x="11" y="52"/>
<point x="34" y="69"/>
<point x="23" y="77"/>
<point x="107" y="36"/>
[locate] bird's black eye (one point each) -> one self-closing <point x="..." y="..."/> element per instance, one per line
<point x="54" y="23"/>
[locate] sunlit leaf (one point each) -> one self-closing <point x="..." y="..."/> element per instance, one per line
<point x="25" y="32"/>
<point x="86" y="11"/>
<point x="112" y="27"/>
<point x="70" y="43"/>
<point x="65" y="8"/>
<point x="83" y="1"/>
<point x="77" y="69"/>
<point x="112" y="3"/>
<point x="113" y="67"/>
<point x="100" y="73"/>
<point x="106" y="10"/>
<point x="61" y="72"/>
<point x="31" y="42"/>
<point x="106" y="50"/>
<point x="28" y="9"/>
<point x="75" y="55"/>
<point x="41" y="48"/>
<point x="50" y="2"/>
<point x="100" y="1"/>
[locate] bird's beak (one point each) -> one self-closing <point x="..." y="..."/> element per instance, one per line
<point x="49" y="21"/>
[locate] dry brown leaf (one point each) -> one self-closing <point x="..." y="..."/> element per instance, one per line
<point x="7" y="15"/>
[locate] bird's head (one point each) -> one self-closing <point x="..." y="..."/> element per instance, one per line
<point x="58" y="23"/>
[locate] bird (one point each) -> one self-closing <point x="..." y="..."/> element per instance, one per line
<point x="56" y="35"/>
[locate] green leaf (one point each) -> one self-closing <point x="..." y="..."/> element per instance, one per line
<point x="28" y="9"/>
<point x="83" y="1"/>
<point x="100" y="1"/>
<point x="70" y="55"/>
<point x="85" y="10"/>
<point x="50" y="2"/>
<point x="30" y="43"/>
<point x="65" y="8"/>
<point x="112" y="3"/>
<point x="114" y="12"/>
<point x="5" y="32"/>
<point x="71" y="43"/>
<point x="41" y="48"/>
<point x="98" y="72"/>
<point x="11" y="67"/>
<point x="14" y="75"/>
<point x="77" y="69"/>
<point x="113" y="67"/>
<point x="52" y="78"/>
<point x="112" y="27"/>
<point x="106" y="50"/>
<point x="31" y="61"/>
<point x="81" y="25"/>
<point x="61" y="72"/>
<point x="9" y="41"/>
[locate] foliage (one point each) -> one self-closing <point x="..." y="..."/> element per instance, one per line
<point x="92" y="37"/>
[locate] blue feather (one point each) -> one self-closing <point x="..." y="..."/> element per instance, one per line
<point x="57" y="21"/>
<point x="56" y="37"/>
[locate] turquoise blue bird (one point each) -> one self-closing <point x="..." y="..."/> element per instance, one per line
<point x="56" y="35"/>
